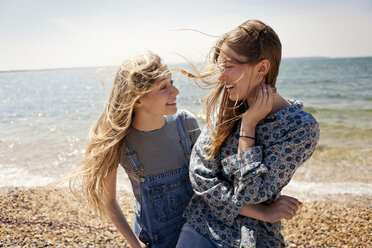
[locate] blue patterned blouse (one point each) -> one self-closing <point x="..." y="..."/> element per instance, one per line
<point x="231" y="180"/>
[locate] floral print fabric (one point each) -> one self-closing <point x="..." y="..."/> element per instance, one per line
<point x="225" y="184"/>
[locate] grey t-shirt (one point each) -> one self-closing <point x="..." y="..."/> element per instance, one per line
<point x="159" y="150"/>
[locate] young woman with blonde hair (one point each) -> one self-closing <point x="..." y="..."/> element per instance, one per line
<point x="254" y="142"/>
<point x="141" y="129"/>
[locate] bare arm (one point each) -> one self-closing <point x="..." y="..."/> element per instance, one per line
<point x="116" y="214"/>
<point x="283" y="207"/>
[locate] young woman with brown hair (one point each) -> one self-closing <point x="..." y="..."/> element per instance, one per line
<point x="254" y="142"/>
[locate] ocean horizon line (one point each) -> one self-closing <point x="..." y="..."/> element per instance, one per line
<point x="175" y="63"/>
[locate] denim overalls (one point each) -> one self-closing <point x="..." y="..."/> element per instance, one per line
<point x="158" y="217"/>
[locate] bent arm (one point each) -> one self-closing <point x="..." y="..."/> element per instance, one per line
<point x="256" y="211"/>
<point x="208" y="184"/>
<point x="260" y="175"/>
<point x="116" y="214"/>
<point x="284" y="207"/>
<point x="218" y="193"/>
<point x="265" y="177"/>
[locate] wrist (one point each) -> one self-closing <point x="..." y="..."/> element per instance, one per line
<point x="247" y="137"/>
<point x="249" y="120"/>
<point x="134" y="242"/>
<point x="247" y="130"/>
<point x="264" y="212"/>
<point x="255" y="211"/>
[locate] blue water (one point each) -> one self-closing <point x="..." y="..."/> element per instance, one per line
<point x="45" y="115"/>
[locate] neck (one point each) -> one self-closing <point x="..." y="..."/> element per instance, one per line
<point x="147" y="122"/>
<point x="279" y="103"/>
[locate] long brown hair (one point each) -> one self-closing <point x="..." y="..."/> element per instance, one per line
<point x="255" y="41"/>
<point x="106" y="139"/>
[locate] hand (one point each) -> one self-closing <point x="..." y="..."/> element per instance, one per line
<point x="260" y="108"/>
<point x="142" y="245"/>
<point x="283" y="207"/>
<point x="137" y="244"/>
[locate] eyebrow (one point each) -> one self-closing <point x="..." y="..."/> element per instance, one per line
<point x="165" y="78"/>
<point x="225" y="60"/>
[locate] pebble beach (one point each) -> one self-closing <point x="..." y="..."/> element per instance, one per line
<point x="45" y="217"/>
<point x="46" y="116"/>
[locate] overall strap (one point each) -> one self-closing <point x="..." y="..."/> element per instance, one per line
<point x="186" y="145"/>
<point x="131" y="156"/>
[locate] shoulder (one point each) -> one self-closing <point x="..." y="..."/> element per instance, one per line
<point x="303" y="123"/>
<point x="190" y="124"/>
<point x="307" y="120"/>
<point x="311" y="126"/>
<point x="297" y="116"/>
<point x="185" y="115"/>
<point x="295" y="122"/>
<point x="205" y="138"/>
<point x="188" y="119"/>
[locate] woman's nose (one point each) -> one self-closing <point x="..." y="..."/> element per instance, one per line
<point x="175" y="91"/>
<point x="222" y="75"/>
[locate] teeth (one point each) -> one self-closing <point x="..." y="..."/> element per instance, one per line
<point x="171" y="102"/>
<point x="229" y="86"/>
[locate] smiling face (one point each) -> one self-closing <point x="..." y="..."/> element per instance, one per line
<point x="240" y="79"/>
<point x="161" y="100"/>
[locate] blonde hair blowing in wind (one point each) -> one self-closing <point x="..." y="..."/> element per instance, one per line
<point x="134" y="79"/>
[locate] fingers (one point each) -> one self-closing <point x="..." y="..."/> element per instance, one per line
<point x="289" y="212"/>
<point x="259" y="100"/>
<point x="289" y="206"/>
<point x="265" y="93"/>
<point x="292" y="200"/>
<point x="260" y="96"/>
<point x="270" y="95"/>
<point x="292" y="206"/>
<point x="288" y="215"/>
<point x="267" y="98"/>
<point x="262" y="105"/>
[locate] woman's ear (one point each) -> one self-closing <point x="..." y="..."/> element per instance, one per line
<point x="138" y="103"/>
<point x="263" y="67"/>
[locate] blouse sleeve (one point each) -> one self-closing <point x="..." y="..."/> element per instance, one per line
<point x="260" y="174"/>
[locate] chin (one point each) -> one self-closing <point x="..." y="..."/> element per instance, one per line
<point x="233" y="98"/>
<point x="172" y="112"/>
<point x="238" y="97"/>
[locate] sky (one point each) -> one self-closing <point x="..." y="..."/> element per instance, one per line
<point x="36" y="34"/>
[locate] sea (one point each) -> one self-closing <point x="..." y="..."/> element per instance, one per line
<point x="45" y="117"/>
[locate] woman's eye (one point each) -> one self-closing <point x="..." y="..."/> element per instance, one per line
<point x="164" y="86"/>
<point x="225" y="67"/>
